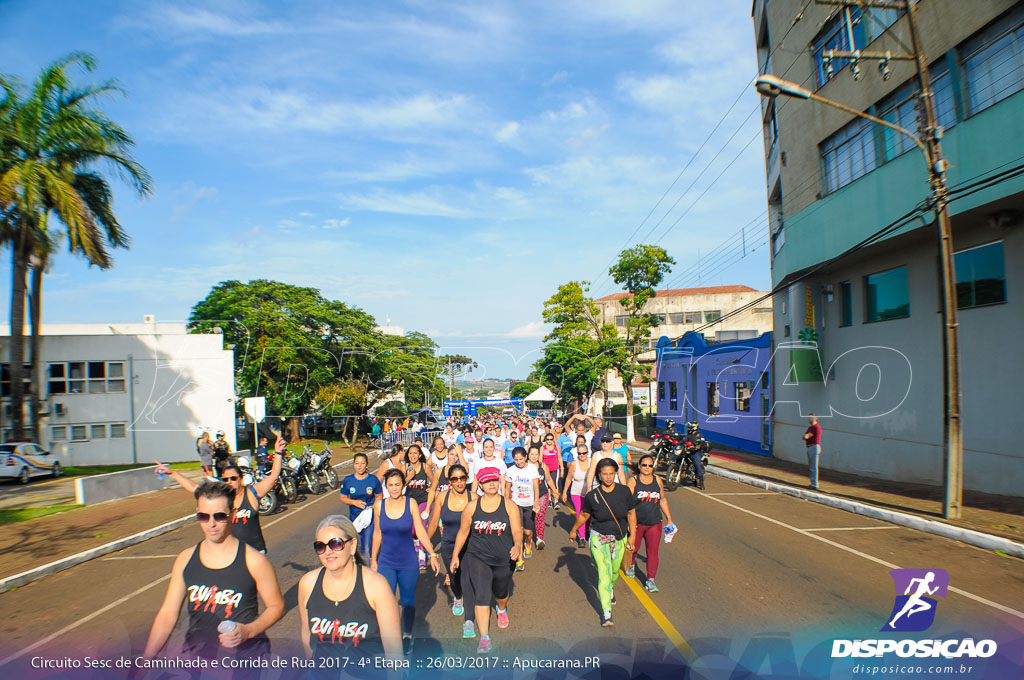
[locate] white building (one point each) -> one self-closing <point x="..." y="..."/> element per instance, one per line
<point x="123" y="393"/>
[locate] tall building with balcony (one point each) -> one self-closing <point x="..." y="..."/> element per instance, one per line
<point x="855" y="258"/>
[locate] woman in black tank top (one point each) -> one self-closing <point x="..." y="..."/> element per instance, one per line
<point x="419" y="478"/>
<point x="651" y="505"/>
<point x="345" y="608"/>
<point x="245" y="524"/>
<point x="447" y="513"/>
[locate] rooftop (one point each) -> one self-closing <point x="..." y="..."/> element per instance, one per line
<point x="686" y="292"/>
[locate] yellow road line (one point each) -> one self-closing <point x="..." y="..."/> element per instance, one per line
<point x="673" y="634"/>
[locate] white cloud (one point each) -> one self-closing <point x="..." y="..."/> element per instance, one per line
<point x="427" y="202"/>
<point x="507" y="132"/>
<point x="336" y="224"/>
<point x="534" y="329"/>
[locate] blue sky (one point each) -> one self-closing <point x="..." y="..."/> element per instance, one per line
<point x="444" y="164"/>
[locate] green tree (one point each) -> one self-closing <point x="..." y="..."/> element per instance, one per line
<point x="455" y="366"/>
<point x="343" y="398"/>
<point x="51" y="140"/>
<point x="638" y="270"/>
<point x="522" y="388"/>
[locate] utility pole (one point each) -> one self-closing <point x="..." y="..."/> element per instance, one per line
<point x="952" y="435"/>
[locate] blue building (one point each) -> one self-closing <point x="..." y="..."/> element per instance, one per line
<point x="723" y="387"/>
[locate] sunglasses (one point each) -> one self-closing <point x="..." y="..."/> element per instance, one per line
<point x="460" y="478"/>
<point x="218" y="517"/>
<point x="646" y="465"/>
<point x="335" y="544"/>
<point x="232" y="478"/>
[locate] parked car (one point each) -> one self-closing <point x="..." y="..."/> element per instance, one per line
<point x="26" y="460"/>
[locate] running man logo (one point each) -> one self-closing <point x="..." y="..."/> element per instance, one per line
<point x="914" y="610"/>
<point x="489" y="527"/>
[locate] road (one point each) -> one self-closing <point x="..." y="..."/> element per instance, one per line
<point x="755" y="581"/>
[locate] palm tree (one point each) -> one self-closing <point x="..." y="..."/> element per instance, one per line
<point x="50" y="143"/>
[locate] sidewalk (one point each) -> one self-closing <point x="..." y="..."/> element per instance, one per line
<point x="33" y="543"/>
<point x="997" y="515"/>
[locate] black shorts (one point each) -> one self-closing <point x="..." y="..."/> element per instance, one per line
<point x="482" y="581"/>
<point x="526" y="515"/>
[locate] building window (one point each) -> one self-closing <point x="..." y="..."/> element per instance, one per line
<point x="778" y="240"/>
<point x="620" y="319"/>
<point x="848" y="154"/>
<point x="994" y="62"/>
<point x="98" y="431"/>
<point x="899" y="108"/>
<point x="762" y="310"/>
<point x="58" y="432"/>
<point x="75" y="377"/>
<point x="886" y="295"/>
<point x="785" y="331"/>
<point x="846" y="303"/>
<point x="743" y="390"/>
<point x="78" y="433"/>
<point x="712" y="315"/>
<point x="5" y="382"/>
<point x="693" y="317"/>
<point x="980" y="276"/>
<point x="676" y="318"/>
<point x="764" y="380"/>
<point x="942" y="89"/>
<point x="673" y="396"/>
<point x="712" y="391"/>
<point x="661" y="391"/>
<point x="844" y="33"/>
<point x="878" y="21"/>
<point x="117" y="431"/>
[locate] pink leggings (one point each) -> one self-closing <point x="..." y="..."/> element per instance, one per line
<point x="538" y="519"/>
<point x="652" y="535"/>
<point x="577" y="502"/>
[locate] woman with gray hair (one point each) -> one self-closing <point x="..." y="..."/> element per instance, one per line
<point x="345" y="608"/>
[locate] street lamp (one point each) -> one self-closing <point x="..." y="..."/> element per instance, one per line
<point x="769" y="85"/>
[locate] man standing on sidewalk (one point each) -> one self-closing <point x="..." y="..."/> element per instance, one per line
<point x="812" y="438"/>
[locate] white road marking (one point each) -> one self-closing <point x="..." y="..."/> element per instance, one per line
<point x="852" y="528"/>
<point x="137" y="557"/>
<point x="872" y="558"/>
<point x="126" y="598"/>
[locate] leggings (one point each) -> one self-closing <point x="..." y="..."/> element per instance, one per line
<point x="538" y="521"/>
<point x="405" y="581"/>
<point x="607" y="557"/>
<point x="651" y="534"/>
<point x="456" y="579"/>
<point x="577" y="502"/>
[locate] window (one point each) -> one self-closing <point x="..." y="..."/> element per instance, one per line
<point x="899" y="108"/>
<point x="658" y="319"/>
<point x="5" y="381"/>
<point x="117" y="431"/>
<point x="842" y="32"/>
<point x="712" y="391"/>
<point x="75" y="377"/>
<point x="764" y="380"/>
<point x="886" y="295"/>
<point x="676" y="318"/>
<point x="994" y="63"/>
<point x="712" y="315"/>
<point x="98" y="431"/>
<point x="942" y="89"/>
<point x="878" y="20"/>
<point x="620" y="319"/>
<point x="785" y="331"/>
<point x="661" y="391"/>
<point x="762" y="310"/>
<point x="742" y="395"/>
<point x="980" y="276"/>
<point x="78" y="433"/>
<point x="673" y="396"/>
<point x="58" y="432"/>
<point x="693" y="317"/>
<point x="846" y="303"/>
<point x="848" y="154"/>
<point x="778" y="240"/>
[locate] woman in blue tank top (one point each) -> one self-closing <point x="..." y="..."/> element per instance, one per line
<point x="396" y="522"/>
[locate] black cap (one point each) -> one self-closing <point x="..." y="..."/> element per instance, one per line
<point x="606" y="437"/>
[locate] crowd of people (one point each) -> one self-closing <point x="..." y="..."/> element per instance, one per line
<point x="474" y="507"/>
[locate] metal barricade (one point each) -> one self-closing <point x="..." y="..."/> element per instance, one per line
<point x="407" y="438"/>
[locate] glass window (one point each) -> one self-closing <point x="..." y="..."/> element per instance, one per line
<point x="76" y="370"/>
<point x="743" y="390"/>
<point x="97" y="369"/>
<point x="886" y="295"/>
<point x="899" y="108"/>
<point x="980" y="276"/>
<point x="58" y="432"/>
<point x="764" y="380"/>
<point x="672" y="393"/>
<point x="620" y="319"/>
<point x="942" y="88"/>
<point x="693" y="317"/>
<point x="785" y="331"/>
<point x="97" y="386"/>
<point x="115" y="386"/>
<point x="117" y="431"/>
<point x="675" y="318"/>
<point x="878" y="20"/>
<point x="848" y="154"/>
<point x="846" y="303"/>
<point x="56" y="370"/>
<point x="712" y="392"/>
<point x="836" y="35"/>
<point x="712" y="315"/>
<point x="78" y="433"/>
<point x="661" y="391"/>
<point x="115" y="369"/>
<point x="98" y="431"/>
<point x="993" y="63"/>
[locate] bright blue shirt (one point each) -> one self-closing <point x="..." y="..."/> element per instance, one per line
<point x="509" y="446"/>
<point x="565" y="446"/>
<point x="360" y="490"/>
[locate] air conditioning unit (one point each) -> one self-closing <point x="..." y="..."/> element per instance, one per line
<point x="59" y="409"/>
<point x="149" y="318"/>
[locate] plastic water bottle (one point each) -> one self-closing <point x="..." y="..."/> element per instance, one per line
<point x="226" y="626"/>
<point x="670" y="532"/>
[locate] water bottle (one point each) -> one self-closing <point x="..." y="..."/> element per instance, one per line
<point x="670" y="532"/>
<point x="226" y="626"/>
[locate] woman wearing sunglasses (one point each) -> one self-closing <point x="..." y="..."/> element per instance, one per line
<point x="546" y="489"/>
<point x="394" y="461"/>
<point x="651" y="505"/>
<point x="396" y="520"/>
<point x="221" y="577"/>
<point x="346" y="609"/>
<point x="447" y="513"/>
<point x="575" y="478"/>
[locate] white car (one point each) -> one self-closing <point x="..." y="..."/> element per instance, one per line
<point x="25" y="460"/>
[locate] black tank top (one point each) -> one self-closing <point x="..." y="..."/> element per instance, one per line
<point x="648" y="507"/>
<point x="215" y="595"/>
<point x="543" y="487"/>
<point x="342" y="628"/>
<point x="450" y="522"/>
<point x="417" y="486"/>
<point x="443" y="484"/>
<point x="490" y="535"/>
<point x="245" y="526"/>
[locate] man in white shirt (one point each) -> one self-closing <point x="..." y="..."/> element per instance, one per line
<point x="489" y="460"/>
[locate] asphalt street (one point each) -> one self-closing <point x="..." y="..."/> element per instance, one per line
<point x="754" y="581"/>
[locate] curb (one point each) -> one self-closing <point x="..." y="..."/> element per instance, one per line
<point x="91" y="554"/>
<point x="969" y="536"/>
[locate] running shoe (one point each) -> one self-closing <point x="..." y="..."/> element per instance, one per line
<point x="485" y="645"/>
<point x="606" y="620"/>
<point x="406" y="644"/>
<point x="502" y="617"/>
<point x="520" y="565"/>
<point x="631" y="572"/>
<point x="457" y="607"/>
<point x="540" y="544"/>
<point x="651" y="588"/>
<point x="613" y="597"/>
<point x="580" y="543"/>
<point x="528" y="553"/>
<point x="469" y="630"/>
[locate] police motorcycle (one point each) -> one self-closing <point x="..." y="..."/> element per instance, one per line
<point x="308" y="475"/>
<point x="286" y="487"/>
<point x="661" y="446"/>
<point x="322" y="461"/>
<point x="252" y="473"/>
<point x="681" y="468"/>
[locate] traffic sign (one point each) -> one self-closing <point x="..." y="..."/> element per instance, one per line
<point x="256" y="409"/>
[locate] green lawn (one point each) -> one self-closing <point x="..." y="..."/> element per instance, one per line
<point x="10" y="515"/>
<point x="76" y="470"/>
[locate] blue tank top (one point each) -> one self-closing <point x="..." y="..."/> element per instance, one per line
<point x="396" y="536"/>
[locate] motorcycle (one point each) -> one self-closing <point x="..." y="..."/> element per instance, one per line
<point x="682" y="469"/>
<point x="307" y="474"/>
<point x="661" y="447"/>
<point x="250" y="475"/>
<point x="322" y="461"/>
<point x="286" y="488"/>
